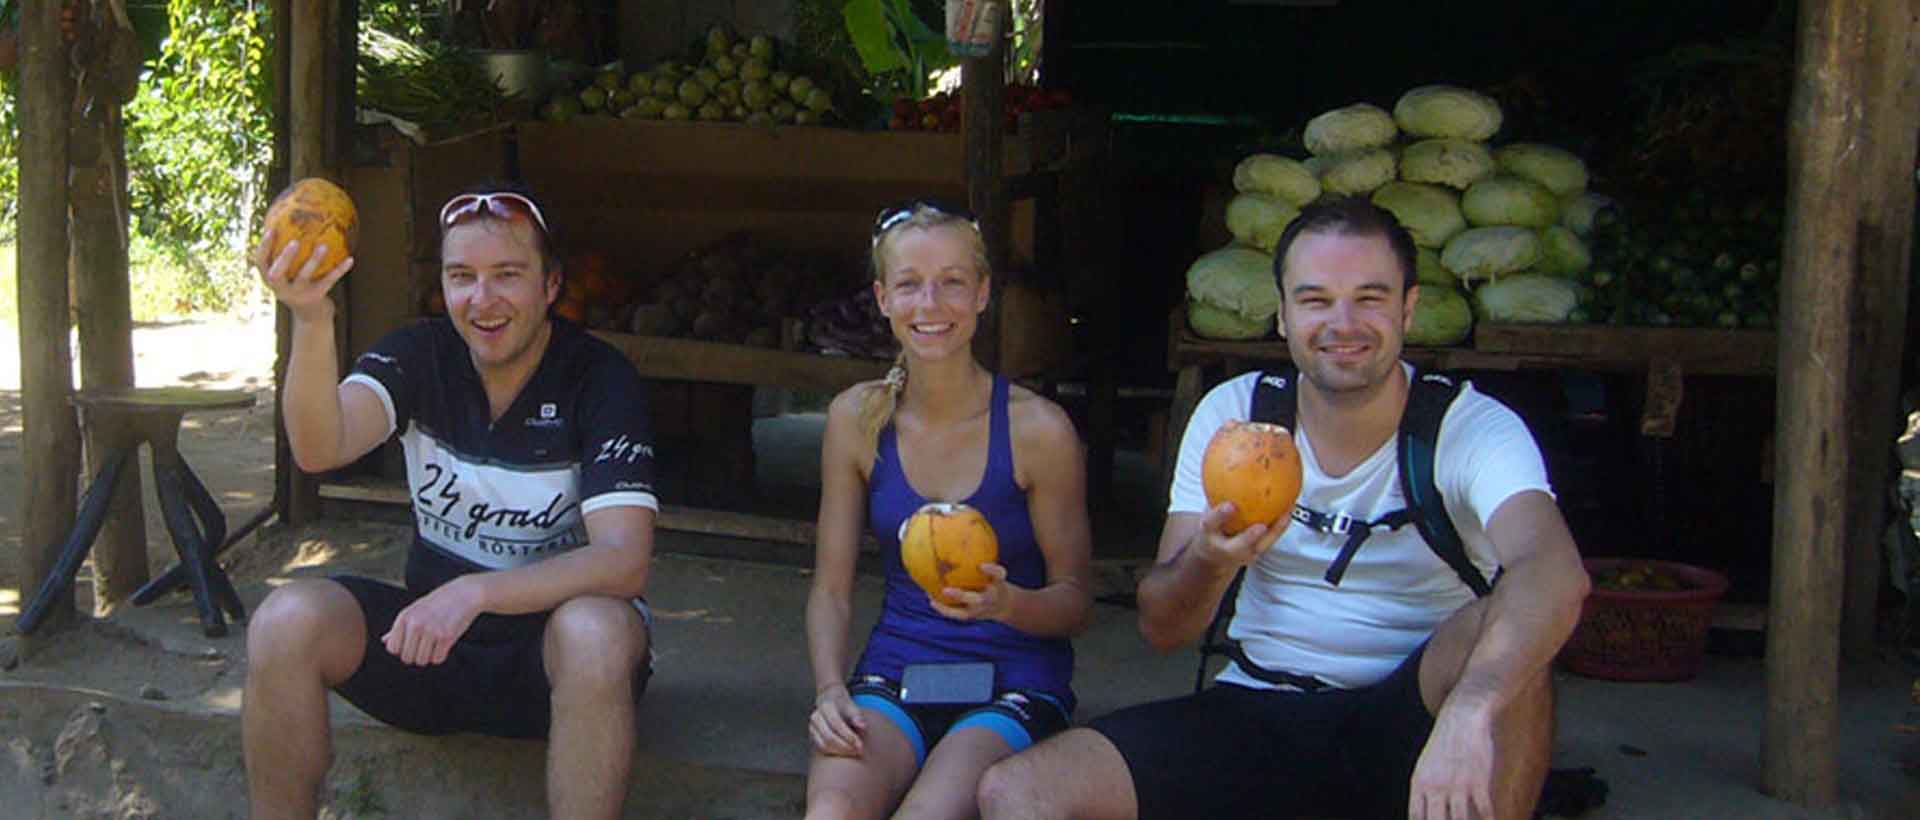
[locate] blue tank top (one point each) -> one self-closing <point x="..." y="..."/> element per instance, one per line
<point x="909" y="630"/>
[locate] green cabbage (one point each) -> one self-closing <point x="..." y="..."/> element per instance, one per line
<point x="1487" y="253"/>
<point x="1456" y="163"/>
<point x="1447" y="111"/>
<point x="1356" y="173"/>
<point x="1429" y="271"/>
<point x="1356" y="127"/>
<point x="1582" y="213"/>
<point x="1210" y="322"/>
<point x="1509" y="200"/>
<point x="1441" y="316"/>
<point x="1429" y="212"/>
<point x="1258" y="219"/>
<point x="1276" y="176"/>
<point x="1562" y="253"/>
<point x="1235" y="279"/>
<point x="1528" y="297"/>
<point x="1557" y="168"/>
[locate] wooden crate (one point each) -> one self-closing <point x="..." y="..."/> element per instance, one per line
<point x="649" y="191"/>
<point x="398" y="187"/>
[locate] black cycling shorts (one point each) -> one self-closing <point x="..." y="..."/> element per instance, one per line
<point x="1233" y="751"/>
<point x="1021" y="717"/>
<point x="493" y="682"/>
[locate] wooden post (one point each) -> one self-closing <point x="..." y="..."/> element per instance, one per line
<point x="983" y="91"/>
<point x="1819" y="277"/>
<point x="313" y="32"/>
<point x="50" y="433"/>
<point x="1891" y="101"/>
<point x="277" y="179"/>
<point x="105" y="319"/>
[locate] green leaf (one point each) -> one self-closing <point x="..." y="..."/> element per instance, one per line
<point x="903" y="17"/>
<point x="873" y="36"/>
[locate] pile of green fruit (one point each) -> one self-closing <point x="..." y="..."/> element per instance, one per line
<point x="437" y="86"/>
<point x="734" y="80"/>
<point x="1709" y="261"/>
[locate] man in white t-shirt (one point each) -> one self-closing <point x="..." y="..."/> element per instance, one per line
<point x="1407" y="696"/>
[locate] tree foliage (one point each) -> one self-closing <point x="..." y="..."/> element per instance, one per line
<point x="199" y="132"/>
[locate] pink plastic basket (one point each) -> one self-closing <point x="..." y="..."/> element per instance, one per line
<point x="1644" y="635"/>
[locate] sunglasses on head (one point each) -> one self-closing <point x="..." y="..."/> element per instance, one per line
<point x="503" y="204"/>
<point x="896" y="214"/>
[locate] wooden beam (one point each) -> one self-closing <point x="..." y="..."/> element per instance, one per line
<point x="660" y="357"/>
<point x="983" y="92"/>
<point x="1819" y="277"/>
<point x="277" y="179"/>
<point x="1891" y="100"/>
<point x="313" y="35"/>
<point x="50" y="433"/>
<point x="104" y="312"/>
<point x="673" y="517"/>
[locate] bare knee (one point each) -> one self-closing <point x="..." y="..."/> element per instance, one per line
<point x="1005" y="785"/>
<point x="594" y="642"/>
<point x="308" y="623"/>
<point x="834" y="804"/>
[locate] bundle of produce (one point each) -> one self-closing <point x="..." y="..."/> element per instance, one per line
<point x="851" y="325"/>
<point x="436" y="86"/>
<point x="593" y="294"/>
<point x="943" y="111"/>
<point x="1477" y="212"/>
<point x="1231" y="293"/>
<point x="732" y="80"/>
<point x="734" y="291"/>
<point x="1442" y="316"/>
<point x="1711" y="261"/>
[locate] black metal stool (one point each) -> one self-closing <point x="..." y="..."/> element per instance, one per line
<point x="198" y="527"/>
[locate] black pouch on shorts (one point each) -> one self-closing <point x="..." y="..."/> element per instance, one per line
<point x="946" y="684"/>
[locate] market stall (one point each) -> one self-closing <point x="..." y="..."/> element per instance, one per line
<point x="724" y="248"/>
<point x="1843" y="279"/>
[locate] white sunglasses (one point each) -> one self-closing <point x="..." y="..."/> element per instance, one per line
<point x="497" y="204"/>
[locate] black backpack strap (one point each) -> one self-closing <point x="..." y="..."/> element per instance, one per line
<point x="1274" y="398"/>
<point x="1428" y="398"/>
<point x="1275" y="401"/>
<point x="1216" y="642"/>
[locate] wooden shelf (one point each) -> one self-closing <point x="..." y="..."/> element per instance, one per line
<point x="1697" y="351"/>
<point x="673" y="517"/>
<point x="1664" y="354"/>
<point x="659" y="357"/>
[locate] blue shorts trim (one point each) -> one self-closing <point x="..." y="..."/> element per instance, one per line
<point x="897" y="714"/>
<point x="1007" y="728"/>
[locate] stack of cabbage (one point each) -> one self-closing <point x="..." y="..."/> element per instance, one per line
<point x="1507" y="222"/>
<point x="1230" y="292"/>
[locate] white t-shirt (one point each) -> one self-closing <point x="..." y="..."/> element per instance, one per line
<point x="1287" y="616"/>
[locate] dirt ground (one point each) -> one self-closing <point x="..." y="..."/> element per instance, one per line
<point x="133" y="716"/>
<point x="231" y="451"/>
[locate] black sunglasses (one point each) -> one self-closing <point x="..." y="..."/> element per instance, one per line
<point x="895" y="214"/>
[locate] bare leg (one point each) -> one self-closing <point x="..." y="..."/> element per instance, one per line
<point x="1522" y="733"/>
<point x="306" y="637"/>
<point x="592" y="647"/>
<point x="949" y="785"/>
<point x="1077" y="773"/>
<point x="841" y="788"/>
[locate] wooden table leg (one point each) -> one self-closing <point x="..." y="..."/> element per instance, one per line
<point x="1186" y="394"/>
<point x="188" y="542"/>
<point x="93" y="513"/>
<point x="213" y="527"/>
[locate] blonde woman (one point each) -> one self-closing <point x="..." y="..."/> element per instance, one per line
<point x="993" y="670"/>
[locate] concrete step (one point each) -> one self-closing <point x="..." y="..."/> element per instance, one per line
<point x="80" y="753"/>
